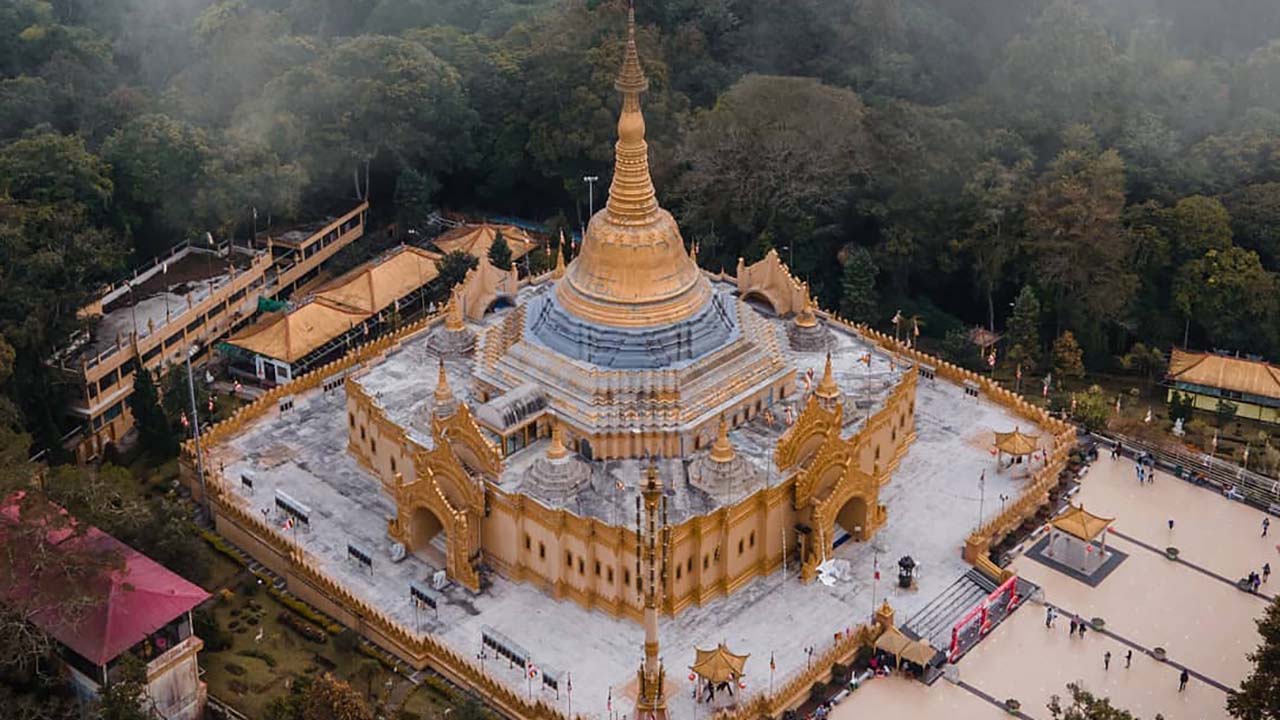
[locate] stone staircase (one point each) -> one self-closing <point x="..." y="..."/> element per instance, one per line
<point x="934" y="621"/>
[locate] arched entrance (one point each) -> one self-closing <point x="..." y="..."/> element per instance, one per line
<point x="428" y="538"/>
<point x="760" y="302"/>
<point x="853" y="518"/>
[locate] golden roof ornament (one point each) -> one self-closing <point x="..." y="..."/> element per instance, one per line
<point x="557" y="449"/>
<point x="806" y="318"/>
<point x="453" y="311"/>
<point x="443" y="395"/>
<point x="827" y="387"/>
<point x="722" y="451"/>
<point x="558" y="272"/>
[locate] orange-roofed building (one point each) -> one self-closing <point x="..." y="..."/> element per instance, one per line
<point x="1253" y="386"/>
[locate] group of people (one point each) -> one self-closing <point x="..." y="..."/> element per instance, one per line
<point x="1256" y="579"/>
<point x="1078" y="625"/>
<point x="1145" y="466"/>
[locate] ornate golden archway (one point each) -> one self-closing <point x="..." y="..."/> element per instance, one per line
<point x="811" y="430"/>
<point x="446" y="493"/>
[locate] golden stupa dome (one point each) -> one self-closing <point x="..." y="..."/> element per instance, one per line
<point x="633" y="269"/>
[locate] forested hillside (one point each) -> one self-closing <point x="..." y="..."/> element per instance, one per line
<point x="1119" y="158"/>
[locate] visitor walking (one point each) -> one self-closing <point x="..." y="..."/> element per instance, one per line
<point x="1170" y="524"/>
<point x="1182" y="680"/>
<point x="1073" y="628"/>
<point x="1257" y="582"/>
<point x="1266" y="525"/>
<point x="1082" y="629"/>
<point x="1128" y="658"/>
<point x="1106" y="660"/>
<point x="1266" y="571"/>
<point x="1048" y="617"/>
<point x="1115" y="451"/>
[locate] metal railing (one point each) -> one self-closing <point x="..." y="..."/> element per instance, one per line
<point x="1235" y="481"/>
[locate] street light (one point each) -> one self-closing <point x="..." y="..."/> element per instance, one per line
<point x="590" y="180"/>
<point x="195" y="425"/>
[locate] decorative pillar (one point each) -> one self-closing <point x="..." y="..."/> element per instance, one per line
<point x="652" y="538"/>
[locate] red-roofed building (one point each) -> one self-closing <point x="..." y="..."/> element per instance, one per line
<point x="137" y="605"/>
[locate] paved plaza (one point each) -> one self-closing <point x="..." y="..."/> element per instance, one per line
<point x="1189" y="607"/>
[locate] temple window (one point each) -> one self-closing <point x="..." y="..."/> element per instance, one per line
<point x="678" y="568"/>
<point x="581" y="567"/>
<point x="689" y="564"/>
<point x="626" y="577"/>
<point x="609" y="573"/>
<point x="741" y="546"/>
<point x="373" y="446"/>
<point x="361" y="432"/>
<point x="877" y="452"/>
<point x="528" y="542"/>
<point x="542" y="551"/>
<point x="597" y="568"/>
<point x="706" y="561"/>
<point x="393" y="465"/>
<point x="351" y="419"/>
<point x="752" y="541"/>
<point x="568" y="558"/>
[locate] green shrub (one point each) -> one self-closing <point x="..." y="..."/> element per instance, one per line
<point x="235" y="669"/>
<point x="260" y="654"/>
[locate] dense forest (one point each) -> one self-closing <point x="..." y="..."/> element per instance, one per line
<point x="1114" y="163"/>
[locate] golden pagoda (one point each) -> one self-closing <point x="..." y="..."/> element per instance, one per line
<point x="633" y="270"/>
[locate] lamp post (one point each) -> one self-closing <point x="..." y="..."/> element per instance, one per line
<point x="591" y="180"/>
<point x="195" y="425"/>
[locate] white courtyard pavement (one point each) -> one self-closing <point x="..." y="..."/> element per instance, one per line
<point x="1189" y="608"/>
<point x="933" y="503"/>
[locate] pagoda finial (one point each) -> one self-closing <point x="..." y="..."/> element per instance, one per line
<point x="722" y="451"/>
<point x="806" y="317"/>
<point x="631" y="195"/>
<point x="444" y="395"/>
<point x="827" y="387"/>
<point x="559" y="269"/>
<point x="453" y="311"/>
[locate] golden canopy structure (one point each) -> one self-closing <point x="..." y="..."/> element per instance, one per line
<point x="1071" y="539"/>
<point x="1016" y="443"/>
<point x="718" y="665"/>
<point x="1081" y="524"/>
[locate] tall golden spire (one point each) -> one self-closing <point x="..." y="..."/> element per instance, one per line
<point x="558" y="272"/>
<point x="444" y="395"/>
<point x="633" y="269"/>
<point x="827" y="387"/>
<point x="631" y="196"/>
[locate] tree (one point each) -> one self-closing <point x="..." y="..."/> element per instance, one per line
<point x="413" y="199"/>
<point x="1079" y="249"/>
<point x="1145" y="360"/>
<point x="155" y="433"/>
<point x="500" y="252"/>
<point x="1196" y="225"/>
<point x="1259" y="695"/>
<point x="333" y="699"/>
<point x="1255" y="220"/>
<point x="1068" y="359"/>
<point x="452" y="269"/>
<point x="176" y="399"/>
<point x="49" y="169"/>
<point x="1181" y="407"/>
<point x="124" y="697"/>
<point x="858" y="286"/>
<point x="1022" y="331"/>
<point x="1231" y="296"/>
<point x="995" y="192"/>
<point x="773" y="153"/>
<point x="1085" y="706"/>
<point x="1093" y="408"/>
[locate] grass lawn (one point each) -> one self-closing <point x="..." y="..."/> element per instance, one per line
<point x="250" y="683"/>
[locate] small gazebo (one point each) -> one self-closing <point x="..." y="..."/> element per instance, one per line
<point x="718" y="668"/>
<point x="901" y="647"/>
<point x="1071" y="538"/>
<point x="1016" y="445"/>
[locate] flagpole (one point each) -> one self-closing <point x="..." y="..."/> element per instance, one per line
<point x="875" y="581"/>
<point x="982" y="492"/>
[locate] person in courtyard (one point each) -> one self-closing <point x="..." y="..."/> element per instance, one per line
<point x="1128" y="658"/>
<point x="1170" y="523"/>
<point x="1266" y="525"/>
<point x="1115" y="451"/>
<point x="1257" y="582"/>
<point x="1083" y="626"/>
<point x="1182" y="680"/>
<point x="1073" y="628"/>
<point x="1048" y="617"/>
<point x="1106" y="660"/>
<point x="1266" y="571"/>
